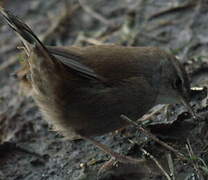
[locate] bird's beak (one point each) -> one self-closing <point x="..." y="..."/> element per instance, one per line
<point x="188" y="106"/>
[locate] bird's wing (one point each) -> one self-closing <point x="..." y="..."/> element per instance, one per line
<point x="72" y="61"/>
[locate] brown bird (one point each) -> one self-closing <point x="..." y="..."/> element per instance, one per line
<point x="84" y="90"/>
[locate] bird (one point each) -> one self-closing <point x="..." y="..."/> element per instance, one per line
<point x="83" y="91"/>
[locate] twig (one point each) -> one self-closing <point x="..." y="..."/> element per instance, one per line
<point x="171" y="167"/>
<point x="147" y="117"/>
<point x="92" y="41"/>
<point x="173" y="10"/>
<point x="191" y="155"/>
<point x="153" y="137"/>
<point x="11" y="61"/>
<point x="59" y="24"/>
<point x="95" y="14"/>
<point x="157" y="163"/>
<point x="119" y="157"/>
<point x="127" y="34"/>
<point x="10" y="146"/>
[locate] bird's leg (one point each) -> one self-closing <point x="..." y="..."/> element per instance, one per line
<point x="115" y="155"/>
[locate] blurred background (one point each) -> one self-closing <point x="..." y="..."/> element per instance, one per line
<point x="30" y="149"/>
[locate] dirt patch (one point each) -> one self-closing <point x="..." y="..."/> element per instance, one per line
<point x="31" y="150"/>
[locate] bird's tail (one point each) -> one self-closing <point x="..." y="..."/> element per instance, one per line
<point x="32" y="44"/>
<point x="23" y="30"/>
<point x="52" y="55"/>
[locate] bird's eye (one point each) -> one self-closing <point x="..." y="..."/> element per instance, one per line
<point x="177" y="83"/>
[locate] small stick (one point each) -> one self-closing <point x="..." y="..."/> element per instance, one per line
<point x="147" y="117"/>
<point x="8" y="63"/>
<point x="153" y="137"/>
<point x="157" y="163"/>
<point x="95" y="14"/>
<point x="56" y="28"/>
<point x="173" y="10"/>
<point x="10" y="146"/>
<point x="92" y="41"/>
<point x="171" y="166"/>
<point x="191" y="154"/>
<point x="119" y="157"/>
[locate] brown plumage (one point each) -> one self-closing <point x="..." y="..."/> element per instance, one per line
<point x="84" y="90"/>
<point x="93" y="106"/>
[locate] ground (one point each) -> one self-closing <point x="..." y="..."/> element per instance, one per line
<point x="30" y="149"/>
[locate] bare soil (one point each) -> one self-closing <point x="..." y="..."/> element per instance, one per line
<point x="31" y="150"/>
